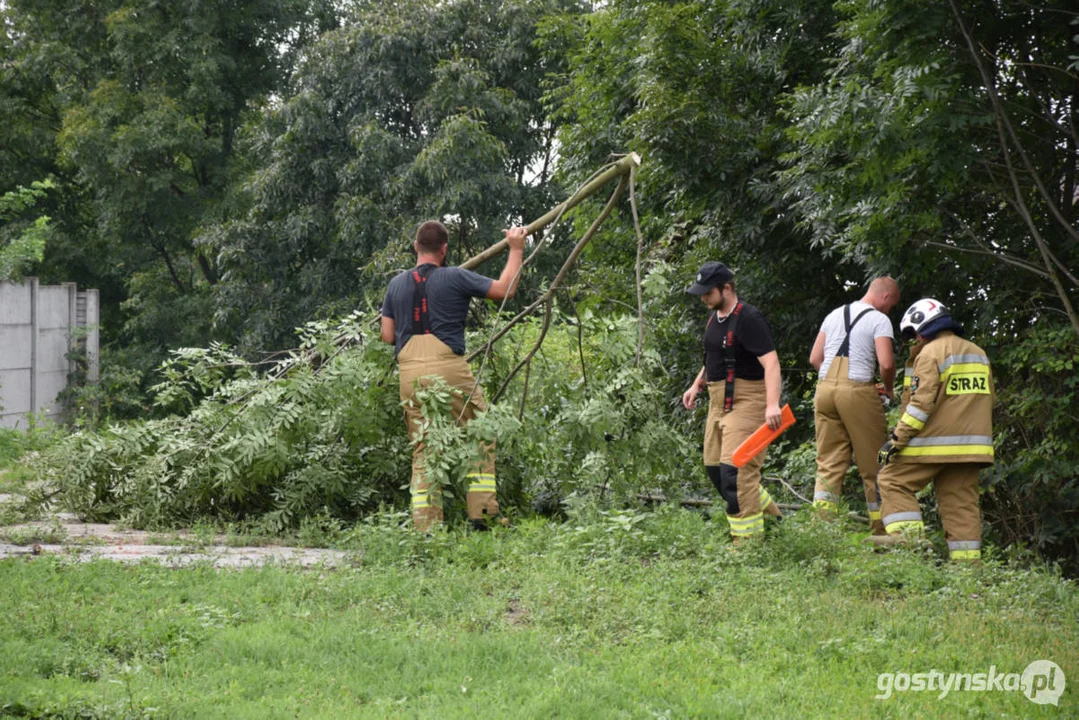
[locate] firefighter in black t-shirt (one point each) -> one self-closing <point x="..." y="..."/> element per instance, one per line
<point x="741" y="372"/>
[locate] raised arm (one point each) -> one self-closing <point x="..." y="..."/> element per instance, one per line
<point x="506" y="284"/>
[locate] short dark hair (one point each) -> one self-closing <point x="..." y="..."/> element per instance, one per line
<point x="431" y="236"/>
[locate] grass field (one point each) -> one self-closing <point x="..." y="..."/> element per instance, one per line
<point x="634" y="615"/>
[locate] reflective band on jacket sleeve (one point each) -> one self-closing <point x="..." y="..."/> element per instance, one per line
<point x="908" y="373"/>
<point x="914" y="417"/>
<point x="874" y="510"/>
<point x="965" y="554"/>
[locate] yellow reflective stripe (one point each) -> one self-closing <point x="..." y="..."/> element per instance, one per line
<point x="901" y="525"/>
<point x="826" y="505"/>
<point x="960" y="368"/>
<point x="766" y="499"/>
<point x="747" y="525"/>
<point x="914" y="422"/>
<point x="968" y="362"/>
<point x="947" y="450"/>
<point x="482" y="482"/>
<point x="966" y="554"/>
<point x="874" y="514"/>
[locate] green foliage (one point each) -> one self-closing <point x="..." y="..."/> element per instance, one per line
<point x="1033" y="490"/>
<point x="698" y="94"/>
<point x="329" y="442"/>
<point x="136" y="109"/>
<point x="22" y="241"/>
<point x="410" y="111"/>
<point x="308" y="443"/>
<point x="614" y="613"/>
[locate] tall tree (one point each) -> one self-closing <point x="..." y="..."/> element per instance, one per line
<point x="698" y="94"/>
<point x="145" y="99"/>
<point x="412" y="110"/>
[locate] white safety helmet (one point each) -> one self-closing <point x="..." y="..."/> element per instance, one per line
<point x="921" y="314"/>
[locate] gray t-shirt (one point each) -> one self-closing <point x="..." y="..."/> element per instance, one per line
<point x="449" y="290"/>
<point x="863" y="348"/>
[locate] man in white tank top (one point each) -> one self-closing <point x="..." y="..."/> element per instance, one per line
<point x="853" y="341"/>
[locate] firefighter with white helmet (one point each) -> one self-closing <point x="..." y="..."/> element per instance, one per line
<point x="944" y="435"/>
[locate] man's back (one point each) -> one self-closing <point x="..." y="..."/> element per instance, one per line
<point x="449" y="291"/>
<point x="863" y="336"/>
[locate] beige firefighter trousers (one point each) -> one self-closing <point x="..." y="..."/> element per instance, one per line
<point x="424" y="356"/>
<point x="956" y="488"/>
<point x="849" y="417"/>
<point x="723" y="433"/>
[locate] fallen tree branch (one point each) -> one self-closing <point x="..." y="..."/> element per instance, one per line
<point x="557" y="282"/>
<point x="616" y="169"/>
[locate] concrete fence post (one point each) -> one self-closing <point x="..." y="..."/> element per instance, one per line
<point x="35" y="342"/>
<point x="93" y="336"/>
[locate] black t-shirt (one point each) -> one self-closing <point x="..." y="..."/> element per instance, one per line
<point x="752" y="338"/>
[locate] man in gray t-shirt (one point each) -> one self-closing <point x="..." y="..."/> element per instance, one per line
<point x="853" y="340"/>
<point x="449" y="292"/>
<point x="423" y="315"/>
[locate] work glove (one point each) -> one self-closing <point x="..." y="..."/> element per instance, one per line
<point x="887" y="451"/>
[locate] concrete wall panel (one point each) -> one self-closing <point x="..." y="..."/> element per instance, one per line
<point x="36" y="326"/>
<point x="15" y="303"/>
<point x="15" y="397"/>
<point x="49" y="386"/>
<point x="54" y="308"/>
<point x="15" y="347"/>
<point x="52" y="349"/>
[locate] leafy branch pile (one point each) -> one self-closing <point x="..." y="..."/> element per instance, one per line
<point x="236" y="445"/>
<point x="327" y="438"/>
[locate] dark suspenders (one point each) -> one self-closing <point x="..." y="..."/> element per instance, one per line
<point x="729" y="359"/>
<point x="728" y="356"/>
<point x="844" y="349"/>
<point x="421" y="321"/>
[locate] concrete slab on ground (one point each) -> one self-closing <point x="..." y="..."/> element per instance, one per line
<point x="82" y="541"/>
<point x="220" y="556"/>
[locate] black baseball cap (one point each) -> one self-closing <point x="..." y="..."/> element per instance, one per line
<point x="709" y="276"/>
